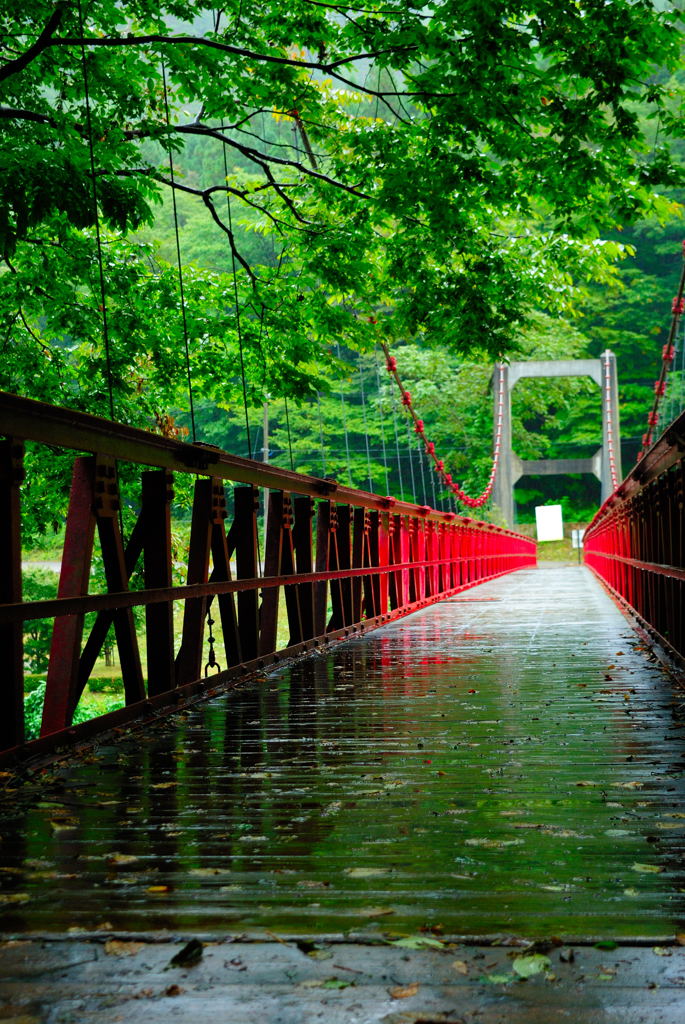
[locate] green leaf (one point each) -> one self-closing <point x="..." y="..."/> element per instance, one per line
<point x="417" y="942"/>
<point x="528" y="966"/>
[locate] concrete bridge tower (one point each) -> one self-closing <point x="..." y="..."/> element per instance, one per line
<point x="605" y="464"/>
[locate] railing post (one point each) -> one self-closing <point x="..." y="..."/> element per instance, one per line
<point x="360" y="560"/>
<point x="400" y="544"/>
<point x="67" y="631"/>
<point x="384" y="527"/>
<point x="157" y="493"/>
<point x="278" y="561"/>
<point x="326" y="523"/>
<point x="11" y="634"/>
<point x="273" y="547"/>
<point x="189" y="657"/>
<point x="344" y="552"/>
<point x="372" y="602"/>
<point x="221" y="573"/>
<point x="302" y="541"/>
<point x="107" y="506"/>
<point x="244" y="532"/>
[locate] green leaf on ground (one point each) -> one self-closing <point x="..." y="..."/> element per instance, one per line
<point x="417" y="942"/>
<point x="528" y="966"/>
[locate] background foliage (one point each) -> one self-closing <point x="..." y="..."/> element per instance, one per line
<point x="468" y="174"/>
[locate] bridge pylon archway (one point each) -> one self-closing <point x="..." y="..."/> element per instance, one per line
<point x="605" y="464"/>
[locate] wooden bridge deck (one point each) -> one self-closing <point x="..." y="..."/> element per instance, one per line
<point x="509" y="762"/>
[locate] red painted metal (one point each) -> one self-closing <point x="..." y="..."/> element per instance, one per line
<point x="157" y="495"/>
<point x="77" y="555"/>
<point x="636" y="542"/>
<point x="11" y="638"/>
<point x="344" y="559"/>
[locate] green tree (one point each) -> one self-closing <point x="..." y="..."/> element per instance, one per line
<point x="502" y="140"/>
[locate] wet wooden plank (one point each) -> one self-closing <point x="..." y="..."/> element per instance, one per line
<point x="513" y="764"/>
<point x="120" y="980"/>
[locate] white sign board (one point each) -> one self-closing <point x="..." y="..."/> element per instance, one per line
<point x="550" y="525"/>
<point x="577" y="538"/>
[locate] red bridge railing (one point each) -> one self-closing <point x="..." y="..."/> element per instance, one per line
<point x="636" y="542"/>
<point x="345" y="560"/>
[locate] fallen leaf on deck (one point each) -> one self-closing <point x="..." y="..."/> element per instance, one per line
<point x="122" y="858"/>
<point x="365" y="872"/>
<point x="417" y="942"/>
<point x="461" y="966"/>
<point x="493" y="844"/>
<point x="661" y="951"/>
<point x="372" y="912"/>
<point x="63" y="826"/>
<point x="404" y="991"/>
<point x="528" y="966"/>
<point x="653" y="869"/>
<point x="190" y="955"/>
<point x="113" y="947"/>
<point x="334" y="983"/>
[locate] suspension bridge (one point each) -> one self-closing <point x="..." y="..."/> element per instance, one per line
<point x="371" y="757"/>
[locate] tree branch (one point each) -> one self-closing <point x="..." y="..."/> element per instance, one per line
<point x="236" y="51"/>
<point x="13" y="67"/>
<point x="263" y="160"/>
<point x="21" y="114"/>
<point x="207" y="199"/>
<point x="35" y="337"/>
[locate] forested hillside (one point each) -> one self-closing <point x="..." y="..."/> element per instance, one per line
<point x="204" y="211"/>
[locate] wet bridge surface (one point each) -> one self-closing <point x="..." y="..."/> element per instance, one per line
<point x="510" y="762"/>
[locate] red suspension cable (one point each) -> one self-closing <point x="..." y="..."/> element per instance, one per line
<point x="438" y="463"/>
<point x="667" y="357"/>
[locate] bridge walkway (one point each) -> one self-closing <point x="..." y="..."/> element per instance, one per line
<point x="507" y="763"/>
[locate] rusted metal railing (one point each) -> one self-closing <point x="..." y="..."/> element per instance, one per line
<point x="636" y="541"/>
<point x="346" y="560"/>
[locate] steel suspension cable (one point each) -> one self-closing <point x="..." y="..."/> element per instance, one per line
<point x="393" y="406"/>
<point x="431" y="477"/>
<point x="290" y="441"/>
<point x="96" y="219"/>
<point x="366" y="427"/>
<point x="410" y="450"/>
<point x="237" y="311"/>
<point x="344" y="419"/>
<point x="323" y="456"/>
<point x="382" y="421"/>
<point x="178" y="261"/>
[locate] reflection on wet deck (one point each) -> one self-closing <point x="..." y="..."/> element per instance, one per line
<point x="510" y="765"/>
